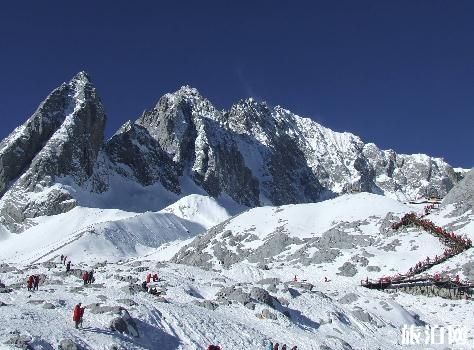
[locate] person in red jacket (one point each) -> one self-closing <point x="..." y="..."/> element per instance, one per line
<point x="148" y="278"/>
<point x="85" y="277"/>
<point x="77" y="315"/>
<point x="276" y="346"/>
<point x="29" y="283"/>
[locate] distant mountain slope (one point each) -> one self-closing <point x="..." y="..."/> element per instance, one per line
<point x="252" y="155"/>
<point x="462" y="194"/>
<point x="98" y="235"/>
<point x="350" y="232"/>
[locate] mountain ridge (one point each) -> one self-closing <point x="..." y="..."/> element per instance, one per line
<point x="253" y="153"/>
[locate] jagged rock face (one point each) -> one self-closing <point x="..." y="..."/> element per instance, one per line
<point x="266" y="138"/>
<point x="253" y="153"/>
<point x="21" y="146"/>
<point x="462" y="195"/>
<point x="134" y="146"/>
<point x="189" y="130"/>
<point x="76" y="120"/>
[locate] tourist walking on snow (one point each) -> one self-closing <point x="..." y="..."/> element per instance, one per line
<point x="64" y="261"/>
<point x="85" y="277"/>
<point x="78" y="315"/>
<point x="36" y="280"/>
<point x="68" y="266"/>
<point x="91" y="277"/>
<point x="29" y="283"/>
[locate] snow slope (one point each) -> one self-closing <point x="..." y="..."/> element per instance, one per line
<point x="262" y="249"/>
<point x="111" y="234"/>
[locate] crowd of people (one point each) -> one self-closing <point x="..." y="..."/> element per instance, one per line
<point x="412" y="219"/>
<point x="32" y="283"/>
<point x="88" y="278"/>
<point x="276" y="346"/>
<point x="457" y="244"/>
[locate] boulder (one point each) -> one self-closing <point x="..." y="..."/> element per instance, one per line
<point x="347" y="269"/>
<point x="268" y="314"/>
<point x="261" y="295"/>
<point x="20" y="341"/>
<point x="206" y="304"/>
<point x="132" y="289"/>
<point x="348" y="298"/>
<point x="68" y="344"/>
<point x="124" y="324"/>
<point x="128" y="302"/>
<point x="48" y="306"/>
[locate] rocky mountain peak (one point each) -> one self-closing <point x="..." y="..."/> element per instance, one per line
<point x="254" y="153"/>
<point x="61" y="140"/>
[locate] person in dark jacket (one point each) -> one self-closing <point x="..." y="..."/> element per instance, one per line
<point x="68" y="266"/>
<point x="91" y="277"/>
<point x="36" y="280"/>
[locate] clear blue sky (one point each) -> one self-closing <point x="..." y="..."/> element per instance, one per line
<point x="396" y="73"/>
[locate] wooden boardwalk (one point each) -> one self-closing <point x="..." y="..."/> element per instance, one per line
<point x="455" y="245"/>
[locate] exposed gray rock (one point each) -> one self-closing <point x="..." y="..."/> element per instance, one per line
<point x="129" y="279"/>
<point x="261" y="295"/>
<point x="348" y="298"/>
<point x="48" y="306"/>
<point x="392" y="245"/>
<point x="373" y="268"/>
<point x="124" y="324"/>
<point x="62" y="138"/>
<point x="235" y="294"/>
<point x="97" y="308"/>
<point x="132" y="289"/>
<point x="272" y="280"/>
<point x="118" y="324"/>
<point x="128" y="302"/>
<point x="249" y="152"/>
<point x="206" y="304"/>
<point x="468" y="270"/>
<point x="141" y="269"/>
<point x="347" y="269"/>
<point x="68" y="344"/>
<point x="250" y="306"/>
<point x="20" y="341"/>
<point x="49" y="264"/>
<point x="462" y="195"/>
<point x="267" y="314"/>
<point x="362" y="315"/>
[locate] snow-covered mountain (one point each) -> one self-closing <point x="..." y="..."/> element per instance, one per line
<point x="251" y="155"/>
<point x="233" y="285"/>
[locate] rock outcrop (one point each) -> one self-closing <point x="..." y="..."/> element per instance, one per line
<point x="254" y="153"/>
